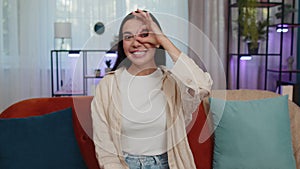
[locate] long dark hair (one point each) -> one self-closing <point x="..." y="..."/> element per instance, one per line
<point x="160" y="54"/>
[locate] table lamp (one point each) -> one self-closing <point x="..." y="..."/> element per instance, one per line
<point x="62" y="35"/>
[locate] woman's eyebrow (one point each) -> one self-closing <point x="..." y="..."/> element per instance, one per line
<point x="127" y="33"/>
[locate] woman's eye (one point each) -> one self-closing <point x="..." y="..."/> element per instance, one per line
<point x="143" y="35"/>
<point x="128" y="37"/>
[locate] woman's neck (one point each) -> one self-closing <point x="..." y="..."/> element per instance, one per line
<point x="141" y="72"/>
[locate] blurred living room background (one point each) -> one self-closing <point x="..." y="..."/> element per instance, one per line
<point x="37" y="38"/>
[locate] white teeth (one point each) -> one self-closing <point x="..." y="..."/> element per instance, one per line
<point x="139" y="53"/>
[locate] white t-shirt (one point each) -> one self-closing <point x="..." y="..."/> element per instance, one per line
<point x="143" y="114"/>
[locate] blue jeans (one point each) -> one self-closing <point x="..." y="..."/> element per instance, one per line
<point x="147" y="162"/>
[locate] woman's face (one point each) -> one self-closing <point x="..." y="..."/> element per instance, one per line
<point x="140" y="54"/>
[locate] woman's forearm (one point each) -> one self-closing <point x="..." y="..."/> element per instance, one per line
<point x="172" y="50"/>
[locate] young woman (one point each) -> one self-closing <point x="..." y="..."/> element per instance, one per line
<point x="140" y="111"/>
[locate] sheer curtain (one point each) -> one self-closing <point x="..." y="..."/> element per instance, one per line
<point x="25" y="42"/>
<point x="27" y="36"/>
<point x="207" y="39"/>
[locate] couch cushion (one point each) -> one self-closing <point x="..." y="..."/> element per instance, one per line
<point x="36" y="142"/>
<point x="81" y="119"/>
<point x="252" y="134"/>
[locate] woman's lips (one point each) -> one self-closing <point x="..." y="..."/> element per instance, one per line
<point x="139" y="53"/>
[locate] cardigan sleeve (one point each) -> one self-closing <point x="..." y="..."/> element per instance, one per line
<point x="106" y="152"/>
<point x="194" y="84"/>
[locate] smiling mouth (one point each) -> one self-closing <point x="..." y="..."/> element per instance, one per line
<point x="139" y="53"/>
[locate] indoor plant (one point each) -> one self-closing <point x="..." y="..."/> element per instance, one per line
<point x="251" y="29"/>
<point x="254" y="35"/>
<point x="284" y="12"/>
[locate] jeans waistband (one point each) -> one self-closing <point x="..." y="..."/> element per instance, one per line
<point x="146" y="160"/>
<point x="145" y="156"/>
<point x="157" y="158"/>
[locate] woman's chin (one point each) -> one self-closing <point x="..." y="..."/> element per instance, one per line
<point x="143" y="62"/>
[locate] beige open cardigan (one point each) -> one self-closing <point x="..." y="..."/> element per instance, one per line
<point x="106" y="110"/>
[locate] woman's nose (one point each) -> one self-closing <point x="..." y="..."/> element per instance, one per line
<point x="136" y="42"/>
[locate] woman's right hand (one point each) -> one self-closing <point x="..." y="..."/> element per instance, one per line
<point x="155" y="37"/>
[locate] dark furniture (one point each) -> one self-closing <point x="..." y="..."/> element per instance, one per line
<point x="234" y="56"/>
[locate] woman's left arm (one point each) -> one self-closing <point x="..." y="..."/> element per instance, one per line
<point x="194" y="83"/>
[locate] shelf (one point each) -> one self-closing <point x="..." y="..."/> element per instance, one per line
<point x="63" y="64"/>
<point x="285" y="25"/>
<point x="67" y="93"/>
<point x="284" y="71"/>
<point x="288" y="83"/>
<point x="261" y="4"/>
<point x="92" y="76"/>
<point x="259" y="54"/>
<point x="236" y="50"/>
<point x="80" y="50"/>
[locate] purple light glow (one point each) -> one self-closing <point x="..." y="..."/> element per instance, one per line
<point x="246" y="58"/>
<point x="282" y="28"/>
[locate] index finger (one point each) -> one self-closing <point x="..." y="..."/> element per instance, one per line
<point x="142" y="14"/>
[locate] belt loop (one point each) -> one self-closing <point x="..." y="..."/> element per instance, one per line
<point x="156" y="159"/>
<point x="141" y="163"/>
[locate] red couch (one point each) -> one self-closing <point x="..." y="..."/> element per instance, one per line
<point x="83" y="126"/>
<point x="202" y="151"/>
